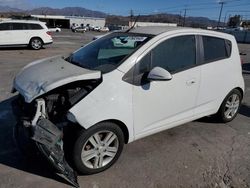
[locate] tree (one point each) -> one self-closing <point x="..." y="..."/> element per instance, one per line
<point x="234" y="21"/>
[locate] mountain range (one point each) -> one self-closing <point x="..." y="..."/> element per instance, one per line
<point x="113" y="19"/>
<point x="67" y="11"/>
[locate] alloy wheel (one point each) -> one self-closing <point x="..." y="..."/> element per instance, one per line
<point x="100" y="149"/>
<point x="232" y="106"/>
<point x="36" y="44"/>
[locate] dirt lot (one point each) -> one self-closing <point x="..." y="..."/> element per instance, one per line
<point x="197" y="154"/>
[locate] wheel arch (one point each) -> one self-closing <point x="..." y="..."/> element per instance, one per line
<point x="36" y="37"/>
<point x="122" y="126"/>
<point x="241" y="90"/>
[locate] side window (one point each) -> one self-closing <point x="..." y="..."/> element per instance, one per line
<point x="175" y="54"/>
<point x="26" y="26"/>
<point x="215" y="48"/>
<point x="17" y="26"/>
<point x="35" y="26"/>
<point x="228" y="47"/>
<point x="5" y="26"/>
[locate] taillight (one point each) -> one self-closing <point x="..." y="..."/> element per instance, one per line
<point x="241" y="60"/>
<point x="49" y="33"/>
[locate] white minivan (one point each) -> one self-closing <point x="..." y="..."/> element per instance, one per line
<point x="29" y="33"/>
<point x="125" y="86"/>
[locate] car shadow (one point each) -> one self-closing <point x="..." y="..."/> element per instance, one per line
<point x="245" y="110"/>
<point x="12" y="156"/>
<point x="246" y="68"/>
<point x="17" y="48"/>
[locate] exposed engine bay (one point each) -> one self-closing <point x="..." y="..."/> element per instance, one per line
<point x="46" y="117"/>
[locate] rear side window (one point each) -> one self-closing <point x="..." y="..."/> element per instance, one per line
<point x="5" y="26"/>
<point x="17" y="26"/>
<point x="35" y="26"/>
<point x="215" y="48"/>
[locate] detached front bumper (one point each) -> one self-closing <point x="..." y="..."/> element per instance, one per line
<point x="47" y="136"/>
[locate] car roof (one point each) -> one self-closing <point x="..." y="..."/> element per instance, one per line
<point x="154" y="30"/>
<point x="157" y="30"/>
<point x="23" y="21"/>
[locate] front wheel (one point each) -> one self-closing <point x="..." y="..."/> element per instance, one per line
<point x="98" y="148"/>
<point x="36" y="43"/>
<point x="230" y="106"/>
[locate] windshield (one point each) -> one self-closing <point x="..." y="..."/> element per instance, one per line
<point x="107" y="53"/>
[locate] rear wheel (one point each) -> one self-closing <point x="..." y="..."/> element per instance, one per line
<point x="98" y="148"/>
<point x="230" y="106"/>
<point x="36" y="43"/>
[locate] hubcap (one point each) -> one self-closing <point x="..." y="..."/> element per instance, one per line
<point x="100" y="149"/>
<point x="232" y="106"/>
<point x="36" y="44"/>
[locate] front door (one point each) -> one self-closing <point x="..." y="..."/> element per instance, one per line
<point x="159" y="105"/>
<point x="5" y="34"/>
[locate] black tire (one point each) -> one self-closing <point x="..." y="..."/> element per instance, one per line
<point x="36" y="43"/>
<point x="83" y="142"/>
<point x="221" y="116"/>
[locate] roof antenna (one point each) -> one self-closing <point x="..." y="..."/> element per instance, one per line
<point x="136" y="19"/>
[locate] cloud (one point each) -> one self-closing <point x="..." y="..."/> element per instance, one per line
<point x="9" y="1"/>
<point x="21" y="4"/>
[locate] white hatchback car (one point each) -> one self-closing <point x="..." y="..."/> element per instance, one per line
<point x="34" y="34"/>
<point x="125" y="86"/>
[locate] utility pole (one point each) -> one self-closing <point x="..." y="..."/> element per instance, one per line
<point x="225" y="19"/>
<point x="221" y="7"/>
<point x="131" y="17"/>
<point x="179" y="21"/>
<point x="184" y="21"/>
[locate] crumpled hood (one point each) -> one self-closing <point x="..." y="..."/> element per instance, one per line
<point x="44" y="75"/>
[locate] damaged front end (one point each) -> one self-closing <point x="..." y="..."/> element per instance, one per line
<point x="49" y="140"/>
<point x="45" y="119"/>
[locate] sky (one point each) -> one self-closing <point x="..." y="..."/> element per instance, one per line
<point x="205" y="8"/>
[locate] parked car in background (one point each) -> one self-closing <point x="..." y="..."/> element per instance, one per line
<point x="80" y="29"/>
<point x="235" y="29"/>
<point x="33" y="34"/>
<point x="104" y="29"/>
<point x="56" y="29"/>
<point x="97" y="28"/>
<point x="125" y="86"/>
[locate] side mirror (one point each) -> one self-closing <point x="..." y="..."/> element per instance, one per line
<point x="159" y="74"/>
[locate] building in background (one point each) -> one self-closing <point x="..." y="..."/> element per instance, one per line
<point x="143" y="24"/>
<point x="69" y="21"/>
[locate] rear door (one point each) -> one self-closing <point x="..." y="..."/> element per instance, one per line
<point x="216" y="73"/>
<point x="19" y="33"/>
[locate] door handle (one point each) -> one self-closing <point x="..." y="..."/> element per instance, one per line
<point x="191" y="82"/>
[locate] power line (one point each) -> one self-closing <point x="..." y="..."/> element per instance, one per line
<point x="193" y="7"/>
